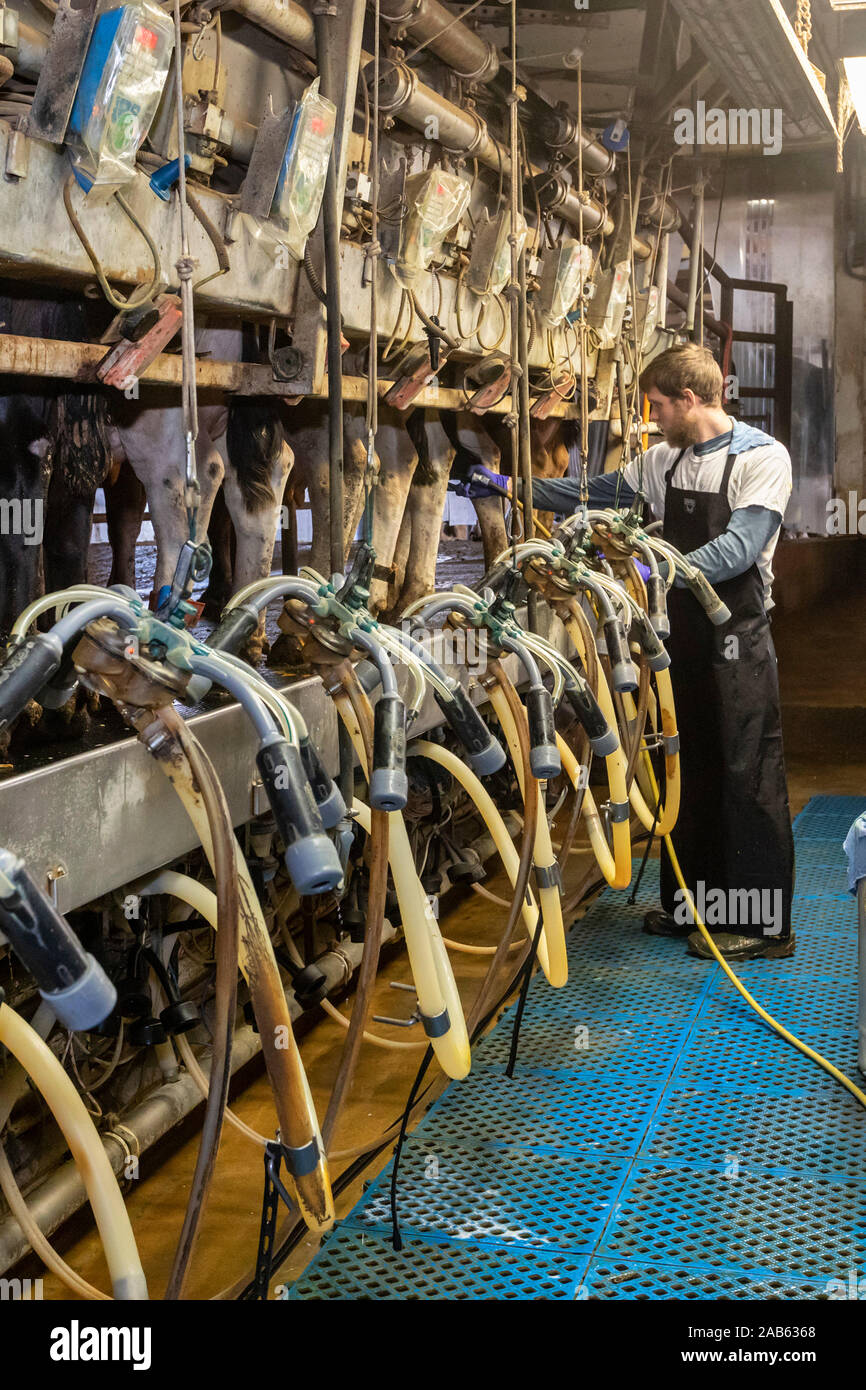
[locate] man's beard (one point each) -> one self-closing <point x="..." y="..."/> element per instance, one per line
<point x="681" y="435"/>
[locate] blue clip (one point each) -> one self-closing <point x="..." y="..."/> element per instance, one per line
<point x="162" y="182"/>
<point x="615" y="137"/>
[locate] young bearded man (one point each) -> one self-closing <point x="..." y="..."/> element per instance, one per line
<point x="720" y="489"/>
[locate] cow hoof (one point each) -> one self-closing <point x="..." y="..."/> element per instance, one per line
<point x="286" y="651"/>
<point x="214" y="603"/>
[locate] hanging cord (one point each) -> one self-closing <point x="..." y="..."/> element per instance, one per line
<point x="524" y="991"/>
<point x="803" y="24"/>
<point x="844" y="119"/>
<point x="584" y="379"/>
<point x="373" y="254"/>
<point x="184" y="267"/>
<point x="516" y="524"/>
<point x="135" y="300"/>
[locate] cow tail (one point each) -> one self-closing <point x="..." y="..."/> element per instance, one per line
<point x="254" y="439"/>
<point x="79" y="441"/>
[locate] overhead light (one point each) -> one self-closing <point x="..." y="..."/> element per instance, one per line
<point x="855" y="75"/>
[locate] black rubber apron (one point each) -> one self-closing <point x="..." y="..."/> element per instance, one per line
<point x="734" y="825"/>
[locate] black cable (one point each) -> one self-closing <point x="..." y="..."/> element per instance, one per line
<point x="524" y="990"/>
<point x="649" y="844"/>
<point x="315" y="282"/>
<point x="396" y="1238"/>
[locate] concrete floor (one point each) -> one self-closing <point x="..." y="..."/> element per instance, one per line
<point x="821" y="661"/>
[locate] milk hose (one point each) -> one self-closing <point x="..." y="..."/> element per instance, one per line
<point x="379" y="830"/>
<point x="299" y="1128"/>
<point x="667" y="819"/>
<point x="40" y="1245"/>
<point x="225" y="992"/>
<point x="204" y="902"/>
<point x="487" y="809"/>
<point x="85" y="1145"/>
<point x="618" y="872"/>
<point x="553" y="932"/>
<point x="438" y="999"/>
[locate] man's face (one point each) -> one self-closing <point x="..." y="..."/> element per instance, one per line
<point x="675" y="416"/>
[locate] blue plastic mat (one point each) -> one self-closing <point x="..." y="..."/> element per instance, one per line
<point x="658" y="1141"/>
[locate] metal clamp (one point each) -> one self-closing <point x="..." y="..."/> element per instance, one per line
<point x="303" y="1160"/>
<point x="437" y="1025"/>
<point x="549" y="876"/>
<point x="618" y="810"/>
<point x="671" y="744"/>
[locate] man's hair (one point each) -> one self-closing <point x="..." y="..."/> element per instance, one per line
<point x="686" y="368"/>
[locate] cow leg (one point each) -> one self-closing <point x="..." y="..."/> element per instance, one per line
<point x="424" y="510"/>
<point x="256" y="532"/>
<point x="397" y="463"/>
<point x="491" y="519"/>
<point x="125" y="502"/>
<point x="153" y="443"/>
<point x="67" y="534"/>
<point x="402" y="551"/>
<point x="222" y="543"/>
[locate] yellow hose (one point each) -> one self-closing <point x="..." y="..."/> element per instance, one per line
<point x="553" y="959"/>
<point x="431" y="968"/>
<point x="40" y="1245"/>
<point x="667" y="818"/>
<point x="618" y="875"/>
<point x="299" y="1123"/>
<point x="486" y="807"/>
<point x="85" y="1145"/>
<point x="741" y="989"/>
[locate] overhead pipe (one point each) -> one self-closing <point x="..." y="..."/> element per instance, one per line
<point x="282" y="18"/>
<point x="431" y="25"/>
<point x="659" y="211"/>
<point x="401" y="94"/>
<point x="722" y="330"/>
<point x="696" y="286"/>
<point x="687" y="232"/>
<point x="561" y="131"/>
<point x="661" y="277"/>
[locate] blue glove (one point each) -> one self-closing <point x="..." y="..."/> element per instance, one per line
<point x="643" y="570"/>
<point x="483" y="482"/>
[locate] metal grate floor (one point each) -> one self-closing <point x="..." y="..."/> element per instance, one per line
<point x="658" y="1140"/>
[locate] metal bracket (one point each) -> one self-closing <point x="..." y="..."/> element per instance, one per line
<point x="266" y="161"/>
<point x="61" y="71"/>
<point x="53" y="876"/>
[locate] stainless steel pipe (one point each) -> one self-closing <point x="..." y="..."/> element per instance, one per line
<point x="562" y="133"/>
<point x="432" y="25"/>
<point x="402" y="94"/>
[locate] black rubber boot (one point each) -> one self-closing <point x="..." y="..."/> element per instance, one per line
<point x="658" y="923"/>
<point x="734" y="947"/>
